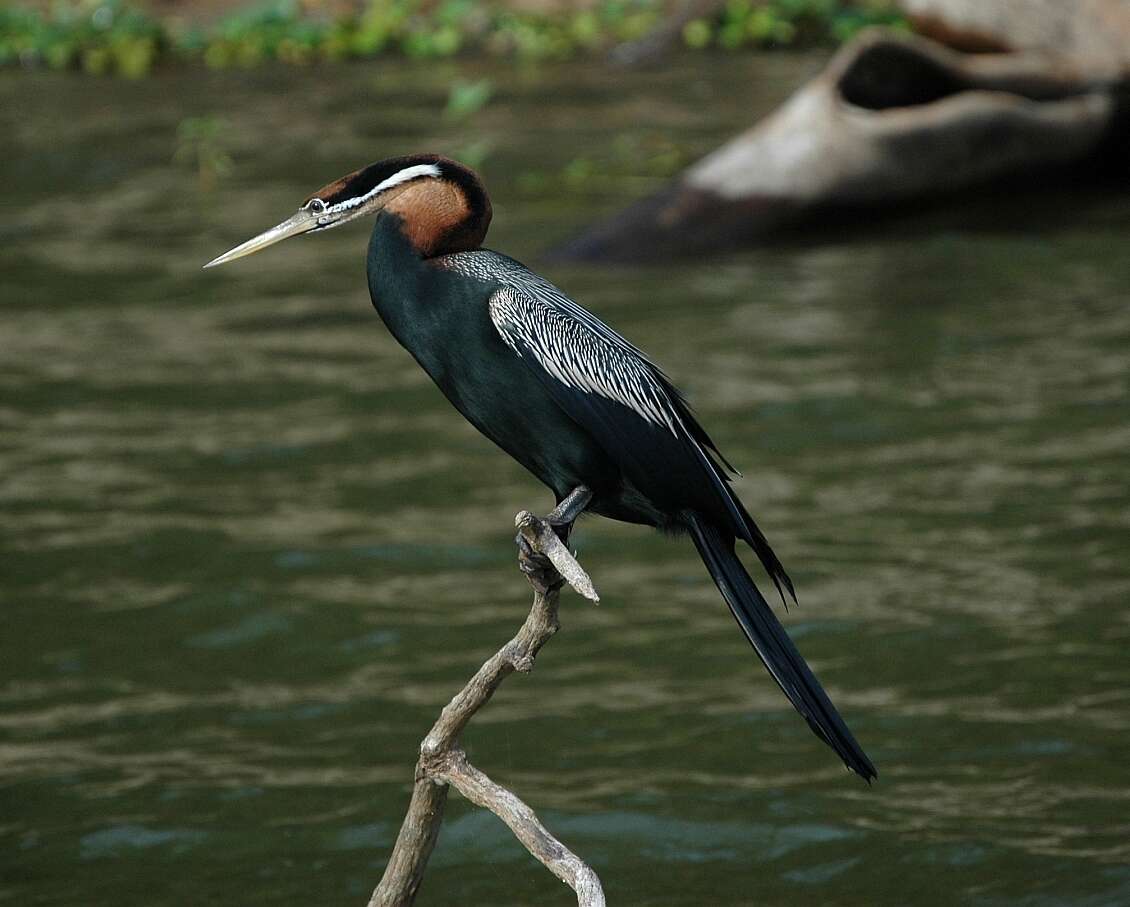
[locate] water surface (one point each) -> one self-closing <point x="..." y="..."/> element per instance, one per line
<point x="248" y="551"/>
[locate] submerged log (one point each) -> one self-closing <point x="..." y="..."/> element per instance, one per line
<point x="891" y="119"/>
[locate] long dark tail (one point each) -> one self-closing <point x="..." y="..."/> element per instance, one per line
<point x="777" y="651"/>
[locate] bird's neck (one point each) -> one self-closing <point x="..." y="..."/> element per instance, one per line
<point x="407" y="290"/>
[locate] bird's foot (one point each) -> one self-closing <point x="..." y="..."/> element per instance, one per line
<point x="532" y="541"/>
<point x="543" y="576"/>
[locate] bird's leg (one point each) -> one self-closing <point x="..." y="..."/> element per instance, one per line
<point x="537" y="566"/>
<point x="562" y="517"/>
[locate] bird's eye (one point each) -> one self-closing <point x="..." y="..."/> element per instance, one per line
<point x="316" y="206"/>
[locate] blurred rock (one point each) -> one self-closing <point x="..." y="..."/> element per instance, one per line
<point x="891" y="119"/>
<point x="1098" y="30"/>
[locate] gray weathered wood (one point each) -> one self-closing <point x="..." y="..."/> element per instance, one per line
<point x="442" y="762"/>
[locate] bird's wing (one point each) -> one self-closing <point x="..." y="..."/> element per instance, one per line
<point x="584" y="358"/>
<point x="599" y="378"/>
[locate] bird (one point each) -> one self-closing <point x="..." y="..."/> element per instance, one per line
<point x="570" y="399"/>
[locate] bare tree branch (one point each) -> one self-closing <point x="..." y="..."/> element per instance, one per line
<point x="558" y="858"/>
<point x="442" y="762"/>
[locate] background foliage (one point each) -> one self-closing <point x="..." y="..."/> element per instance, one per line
<point x="115" y="37"/>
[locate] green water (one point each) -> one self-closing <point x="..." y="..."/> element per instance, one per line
<point x="247" y="551"/>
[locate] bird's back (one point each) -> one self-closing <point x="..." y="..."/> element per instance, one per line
<point x="610" y="391"/>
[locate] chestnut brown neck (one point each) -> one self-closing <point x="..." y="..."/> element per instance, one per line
<point x="441" y="216"/>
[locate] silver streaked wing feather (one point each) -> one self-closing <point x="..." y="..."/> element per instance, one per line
<point x="568" y="341"/>
<point x="494" y="267"/>
<point x="591" y="359"/>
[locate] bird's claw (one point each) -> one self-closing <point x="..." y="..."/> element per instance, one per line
<point x="539" y="570"/>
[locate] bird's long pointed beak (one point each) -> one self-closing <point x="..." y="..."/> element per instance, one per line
<point x="302" y="222"/>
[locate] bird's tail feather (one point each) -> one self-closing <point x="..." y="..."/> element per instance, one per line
<point x="774" y="647"/>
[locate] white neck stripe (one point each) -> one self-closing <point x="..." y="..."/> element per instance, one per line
<point x="401" y="176"/>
